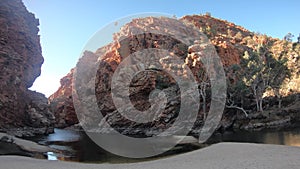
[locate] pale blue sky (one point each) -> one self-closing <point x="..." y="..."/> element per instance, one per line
<point x="66" y="25"/>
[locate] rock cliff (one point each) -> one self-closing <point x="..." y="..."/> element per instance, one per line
<point x="22" y="112"/>
<point x="62" y="103"/>
<point x="230" y="41"/>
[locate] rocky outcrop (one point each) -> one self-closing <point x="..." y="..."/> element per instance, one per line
<point x="20" y="64"/>
<point x="11" y="145"/>
<point x="230" y="42"/>
<point x="62" y="103"/>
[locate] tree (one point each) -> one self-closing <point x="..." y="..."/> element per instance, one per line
<point x="263" y="71"/>
<point x="204" y="83"/>
<point x="236" y="90"/>
<point x="209" y="31"/>
<point x="280" y="71"/>
<point x="288" y="37"/>
<point x="254" y="76"/>
<point x="298" y="39"/>
<point x="208" y="14"/>
<point x="239" y="36"/>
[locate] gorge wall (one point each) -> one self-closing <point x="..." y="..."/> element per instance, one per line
<point x="230" y="41"/>
<point x="62" y="103"/>
<point x="22" y="112"/>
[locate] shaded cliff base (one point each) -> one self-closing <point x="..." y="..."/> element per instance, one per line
<point x="27" y="131"/>
<point x="271" y="118"/>
<point x="218" y="156"/>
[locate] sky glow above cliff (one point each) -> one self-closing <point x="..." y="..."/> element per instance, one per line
<point x="65" y="25"/>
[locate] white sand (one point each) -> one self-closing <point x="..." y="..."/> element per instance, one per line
<point x="219" y="156"/>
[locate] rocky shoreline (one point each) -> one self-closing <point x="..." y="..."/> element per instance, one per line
<point x="10" y="145"/>
<point x="272" y="118"/>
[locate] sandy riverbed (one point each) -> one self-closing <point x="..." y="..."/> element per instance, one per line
<point x="218" y="156"/>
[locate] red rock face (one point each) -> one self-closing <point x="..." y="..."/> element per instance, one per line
<point x="229" y="40"/>
<point x="117" y="51"/>
<point x="224" y="35"/>
<point x="20" y="64"/>
<point x="62" y="103"/>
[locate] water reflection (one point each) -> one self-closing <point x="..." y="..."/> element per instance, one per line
<point x="51" y="156"/>
<point x="284" y="138"/>
<point x="61" y="135"/>
<point x="77" y="146"/>
<point x="290" y="138"/>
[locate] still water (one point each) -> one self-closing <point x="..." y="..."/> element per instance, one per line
<point x="289" y="137"/>
<point x="77" y="146"/>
